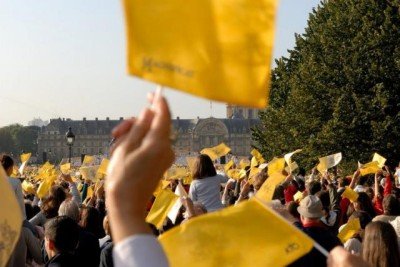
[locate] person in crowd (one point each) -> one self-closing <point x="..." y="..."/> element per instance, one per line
<point x="87" y="251"/>
<point x="90" y="221"/>
<point x="380" y="246"/>
<point x="206" y="185"/>
<point x="50" y="206"/>
<point x="8" y="165"/>
<point x="391" y="209"/>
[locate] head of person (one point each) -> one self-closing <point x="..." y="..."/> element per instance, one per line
<point x="391" y="205"/>
<point x="310" y="209"/>
<point x="91" y="221"/>
<point x="325" y="200"/>
<point x="69" y="208"/>
<point x="364" y="218"/>
<point x="314" y="187"/>
<point x="106" y="226"/>
<point x="259" y="179"/>
<point x="380" y="246"/>
<point x="364" y="203"/>
<point x="52" y="202"/>
<point x="302" y="172"/>
<point x="203" y="167"/>
<point x="61" y="236"/>
<point x="292" y="208"/>
<point x="8" y="164"/>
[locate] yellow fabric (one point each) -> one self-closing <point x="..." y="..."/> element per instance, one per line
<point x="267" y="189"/>
<point x="254" y="163"/>
<point x="10" y="219"/>
<point x="65" y="168"/>
<point x="288" y="156"/>
<point x="328" y="162"/>
<point x="369" y="168"/>
<point x="258" y="156"/>
<point x="236" y="174"/>
<point x="350" y="194"/>
<point x="45" y="186"/>
<point x="25" y="157"/>
<point x="175" y="173"/>
<point x="291" y="167"/>
<point x="378" y="158"/>
<point x="216" y="151"/>
<point x="161" y="206"/>
<point x="88" y="160"/>
<point x="15" y="172"/>
<point x="220" y="50"/>
<point x="243" y="164"/>
<point x="88" y="172"/>
<point x="89" y="193"/>
<point x="187" y="179"/>
<point x="165" y="183"/>
<point x="228" y="165"/>
<point x="349" y="230"/>
<point x="190" y="163"/>
<point x="253" y="172"/>
<point x="45" y="167"/>
<point x="28" y="187"/>
<point x="103" y="166"/>
<point x="222" y="239"/>
<point x="276" y="165"/>
<point x="298" y="196"/>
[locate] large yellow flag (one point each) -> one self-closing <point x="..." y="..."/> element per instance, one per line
<point x="216" y="151"/>
<point x="220" y="50"/>
<point x="45" y="185"/>
<point x="24" y="161"/>
<point x="258" y="157"/>
<point x="378" y="158"/>
<point x="350" y="194"/>
<point x="103" y="166"/>
<point x="276" y="165"/>
<point x="328" y="162"/>
<point x="176" y="173"/>
<point x="10" y="219"/>
<point x="349" y="230"/>
<point x="28" y="187"/>
<point x="88" y="172"/>
<point x="267" y="189"/>
<point x="229" y="165"/>
<point x="65" y="168"/>
<point x="165" y="200"/>
<point x="370" y="168"/>
<point x="221" y="239"/>
<point x="88" y="160"/>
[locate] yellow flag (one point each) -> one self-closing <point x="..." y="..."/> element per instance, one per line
<point x="328" y="162"/>
<point x="175" y="173"/>
<point x="221" y="50"/>
<point x="291" y="167"/>
<point x="89" y="193"/>
<point x="207" y="240"/>
<point x="276" y="165"/>
<point x="378" y="158"/>
<point x="88" y="160"/>
<point x="243" y="164"/>
<point x="25" y="157"/>
<point x="257" y="155"/>
<point x="45" y="167"/>
<point x="15" y="173"/>
<point x="298" y="196"/>
<point x="45" y="186"/>
<point x="103" y="166"/>
<point x="88" y="172"/>
<point x="65" y="168"/>
<point x="267" y="189"/>
<point x="216" y="151"/>
<point x="369" y="168"/>
<point x="236" y="174"/>
<point x="288" y="156"/>
<point x="350" y="194"/>
<point x="10" y="219"/>
<point x="191" y="162"/>
<point x="229" y="165"/>
<point x="28" y="187"/>
<point x="349" y="230"/>
<point x="161" y="206"/>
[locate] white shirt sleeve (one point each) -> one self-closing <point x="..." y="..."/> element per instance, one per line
<point x="139" y="251"/>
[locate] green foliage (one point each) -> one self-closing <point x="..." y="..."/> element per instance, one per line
<point x="339" y="89"/>
<point x="16" y="138"/>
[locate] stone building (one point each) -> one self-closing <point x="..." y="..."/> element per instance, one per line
<point x="191" y="135"/>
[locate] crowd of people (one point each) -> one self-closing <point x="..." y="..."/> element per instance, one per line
<point x="66" y="228"/>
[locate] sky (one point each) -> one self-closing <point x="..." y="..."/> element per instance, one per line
<point x="67" y="59"/>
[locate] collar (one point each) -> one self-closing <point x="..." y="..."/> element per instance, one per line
<point x="313" y="224"/>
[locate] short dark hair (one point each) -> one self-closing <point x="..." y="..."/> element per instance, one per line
<point x="314" y="187"/>
<point x="203" y="167"/>
<point x="391" y="205"/>
<point x="6" y="161"/>
<point x="64" y="232"/>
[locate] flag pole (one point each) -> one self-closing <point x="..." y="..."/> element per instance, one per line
<point x="321" y="249"/>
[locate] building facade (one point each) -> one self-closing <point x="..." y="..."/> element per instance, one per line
<point x="92" y="137"/>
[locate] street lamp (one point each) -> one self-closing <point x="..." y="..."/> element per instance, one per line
<point x="70" y="142"/>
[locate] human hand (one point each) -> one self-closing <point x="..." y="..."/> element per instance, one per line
<point x="140" y="157"/>
<point x="339" y="257"/>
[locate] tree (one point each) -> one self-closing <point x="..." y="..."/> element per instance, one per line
<point x="16" y="138"/>
<point x="339" y="88"/>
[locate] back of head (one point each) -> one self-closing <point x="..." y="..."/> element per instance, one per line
<point x="69" y="208"/>
<point x="91" y="221"/>
<point x="391" y="205"/>
<point x="63" y="232"/>
<point x="52" y="203"/>
<point x="365" y="203"/>
<point x="259" y="179"/>
<point x="203" y="167"/>
<point x="310" y="208"/>
<point x="314" y="187"/>
<point x="380" y="246"/>
<point x="7" y="162"/>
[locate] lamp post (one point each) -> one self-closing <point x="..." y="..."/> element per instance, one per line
<point x="70" y="142"/>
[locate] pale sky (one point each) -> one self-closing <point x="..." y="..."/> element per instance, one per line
<point x="67" y="59"/>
